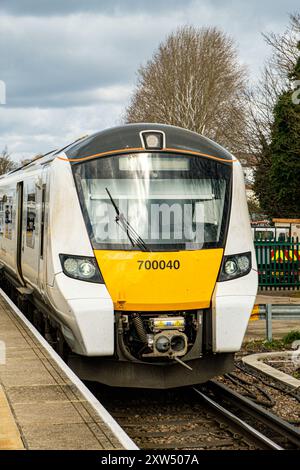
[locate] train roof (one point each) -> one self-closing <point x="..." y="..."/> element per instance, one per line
<point x="35" y="161"/>
<point x="128" y="137"/>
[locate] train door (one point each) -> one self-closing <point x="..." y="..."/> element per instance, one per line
<point x="8" y="224"/>
<point x="19" y="237"/>
<point x="30" y="230"/>
<point x="43" y="222"/>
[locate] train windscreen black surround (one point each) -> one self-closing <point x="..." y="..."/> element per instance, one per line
<point x="170" y="202"/>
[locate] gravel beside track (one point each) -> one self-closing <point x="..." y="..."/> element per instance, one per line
<point x="281" y="399"/>
<point x="174" y="419"/>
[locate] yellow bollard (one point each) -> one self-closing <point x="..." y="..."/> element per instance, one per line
<point x="255" y="313"/>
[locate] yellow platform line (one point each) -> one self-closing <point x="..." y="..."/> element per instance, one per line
<point x="10" y="438"/>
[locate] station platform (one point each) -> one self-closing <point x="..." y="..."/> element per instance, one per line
<point x="280" y="297"/>
<point x="257" y="329"/>
<point x="43" y="404"/>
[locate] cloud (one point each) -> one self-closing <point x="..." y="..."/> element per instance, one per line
<point x="111" y="7"/>
<point x="70" y="66"/>
<point x="49" y="60"/>
<point x="30" y="131"/>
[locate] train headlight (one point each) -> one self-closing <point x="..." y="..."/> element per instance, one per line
<point x="235" y="266"/>
<point x="81" y="268"/>
<point x="86" y="269"/>
<point x="152" y="140"/>
<point x="230" y="267"/>
<point x="71" y="266"/>
<point x="243" y="263"/>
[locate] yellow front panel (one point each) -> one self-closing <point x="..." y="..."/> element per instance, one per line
<point x="149" y="281"/>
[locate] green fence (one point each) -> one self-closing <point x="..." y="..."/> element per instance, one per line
<point x="278" y="264"/>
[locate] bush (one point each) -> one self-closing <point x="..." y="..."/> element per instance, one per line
<point x="291" y="336"/>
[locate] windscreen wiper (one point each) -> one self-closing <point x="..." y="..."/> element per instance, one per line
<point x="121" y="220"/>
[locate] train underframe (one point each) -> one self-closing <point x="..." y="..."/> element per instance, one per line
<point x="153" y="349"/>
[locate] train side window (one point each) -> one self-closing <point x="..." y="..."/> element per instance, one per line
<point x="43" y="220"/>
<point x="2" y="217"/>
<point x="7" y="215"/>
<point x="30" y="218"/>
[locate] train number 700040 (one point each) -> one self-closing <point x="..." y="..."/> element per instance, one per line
<point x="162" y="264"/>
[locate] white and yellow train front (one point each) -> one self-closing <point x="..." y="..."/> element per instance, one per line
<point x="137" y="248"/>
<point x="169" y="229"/>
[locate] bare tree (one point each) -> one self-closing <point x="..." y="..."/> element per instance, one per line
<point x="262" y="98"/>
<point x="276" y="80"/>
<point x="285" y="52"/>
<point x="6" y="163"/>
<point x="194" y="80"/>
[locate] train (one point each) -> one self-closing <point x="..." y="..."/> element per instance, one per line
<point x="131" y="251"/>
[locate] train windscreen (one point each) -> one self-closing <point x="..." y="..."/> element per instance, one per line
<point x="155" y="201"/>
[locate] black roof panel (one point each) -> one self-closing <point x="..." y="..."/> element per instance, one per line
<point x="128" y="136"/>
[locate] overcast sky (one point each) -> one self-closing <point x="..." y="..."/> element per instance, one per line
<point x="70" y="65"/>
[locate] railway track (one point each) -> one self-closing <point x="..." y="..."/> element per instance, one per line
<point x="224" y="419"/>
<point x="210" y="416"/>
<point x="269" y="425"/>
<point x="207" y="417"/>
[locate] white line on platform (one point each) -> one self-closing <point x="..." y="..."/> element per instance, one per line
<point x="123" y="438"/>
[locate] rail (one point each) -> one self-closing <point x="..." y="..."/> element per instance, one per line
<point x="259" y="437"/>
<point x="273" y="430"/>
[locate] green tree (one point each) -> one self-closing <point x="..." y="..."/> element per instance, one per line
<point x="262" y="179"/>
<point x="279" y="190"/>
